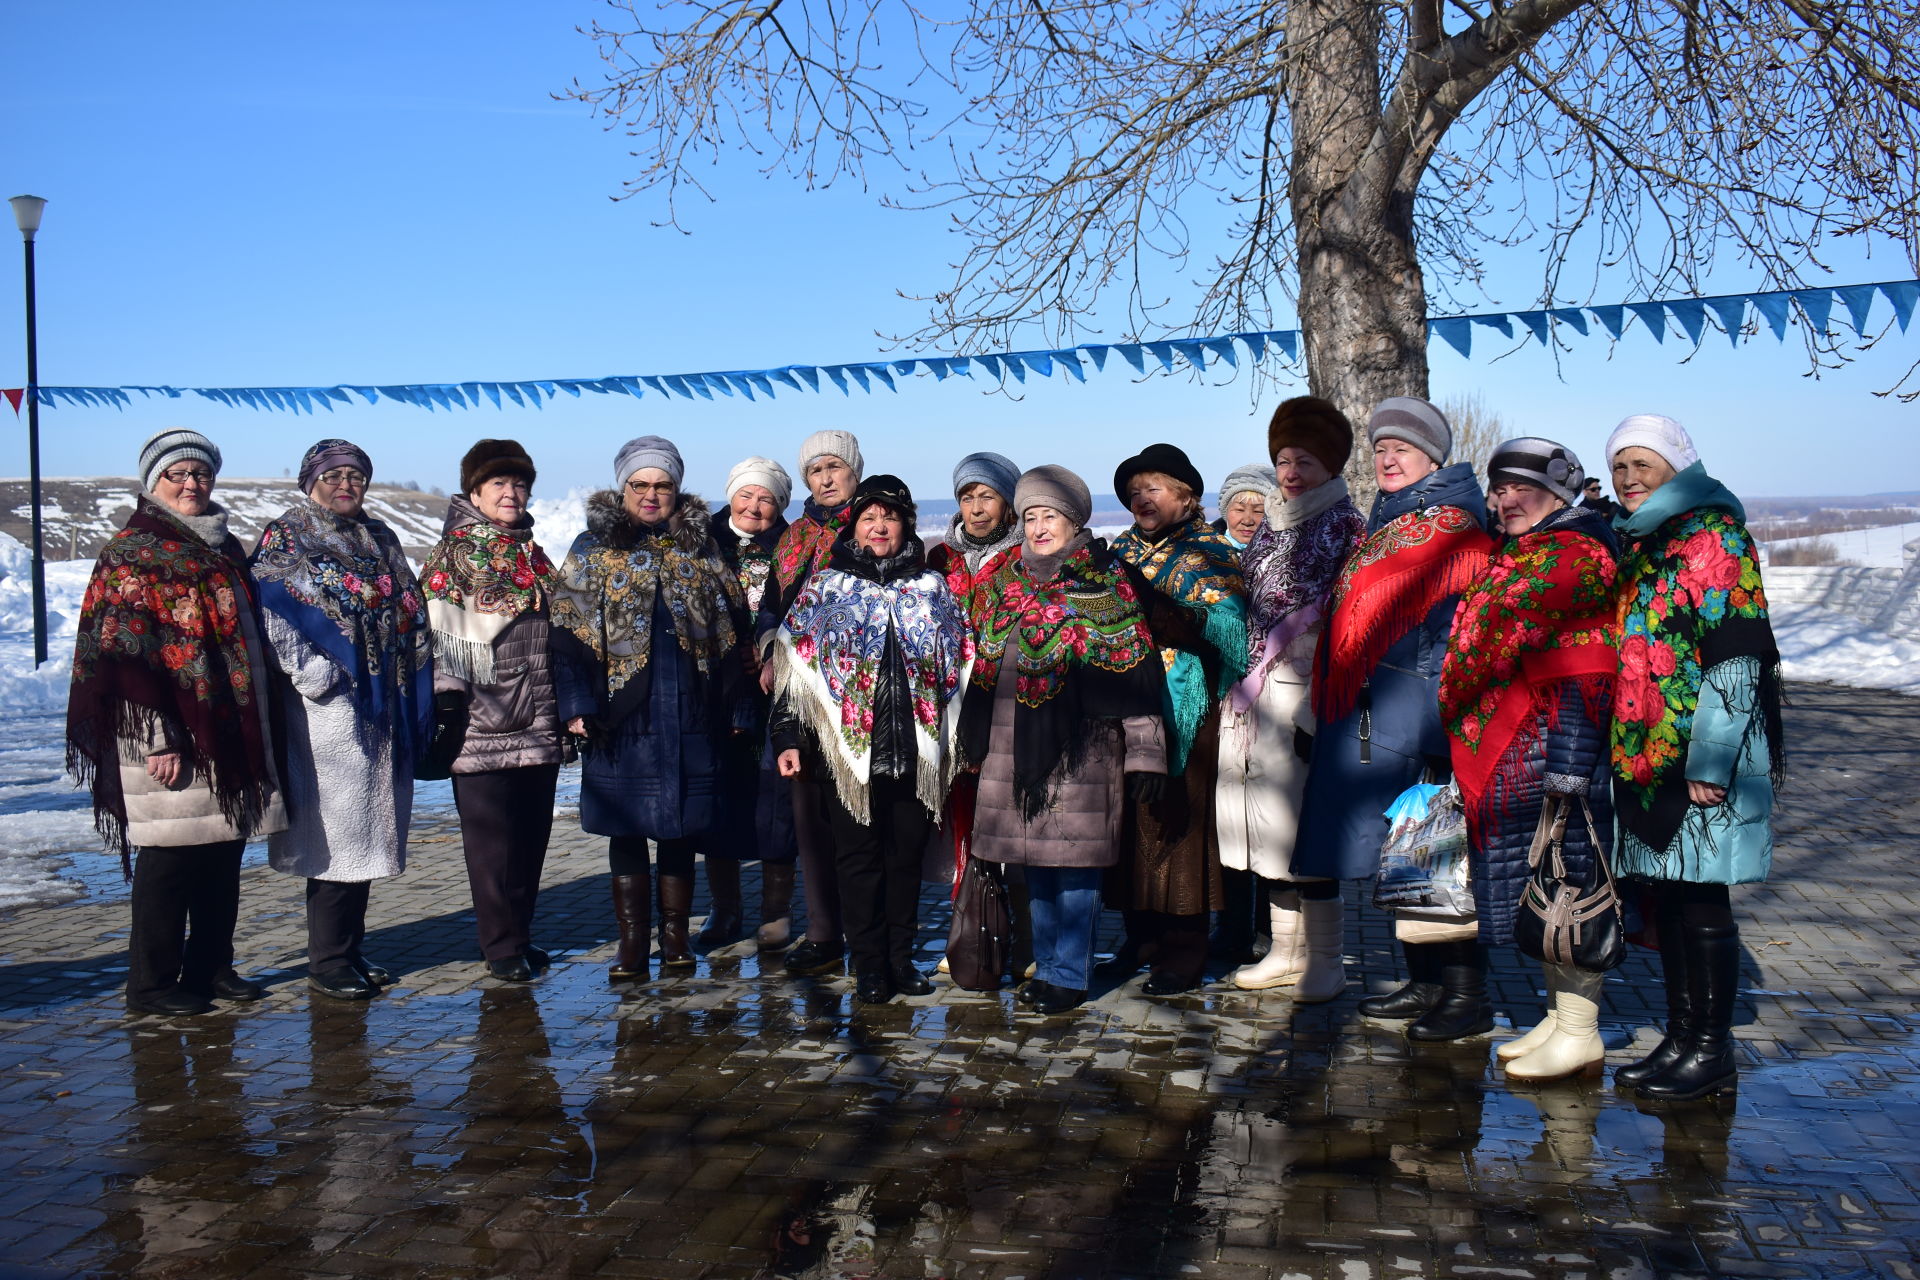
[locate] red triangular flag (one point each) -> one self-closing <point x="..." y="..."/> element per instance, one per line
<point x="14" y="396"/>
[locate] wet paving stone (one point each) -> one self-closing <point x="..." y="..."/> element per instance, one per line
<point x="733" y="1122"/>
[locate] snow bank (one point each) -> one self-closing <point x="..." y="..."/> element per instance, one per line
<point x="558" y="521"/>
<point x="1819" y="644"/>
<point x="1881" y="548"/>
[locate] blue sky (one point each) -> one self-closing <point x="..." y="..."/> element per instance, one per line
<point x="251" y="194"/>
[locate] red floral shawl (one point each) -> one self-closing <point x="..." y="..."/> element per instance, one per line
<point x="1539" y="615"/>
<point x="161" y="640"/>
<point x="1396" y="577"/>
<point x="804" y="548"/>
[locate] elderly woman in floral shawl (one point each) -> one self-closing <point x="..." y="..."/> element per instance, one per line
<point x="347" y="626"/>
<point x="1526" y="694"/>
<point x="1697" y="741"/>
<point x="1196" y="606"/>
<point x="869" y="669"/>
<point x="650" y="647"/>
<point x="167" y="721"/>
<point x="489" y="587"/>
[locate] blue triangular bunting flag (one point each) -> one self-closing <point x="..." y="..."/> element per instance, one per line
<point x="1654" y="316"/>
<point x="1691" y="315"/>
<point x="1457" y="332"/>
<point x="1816" y="305"/>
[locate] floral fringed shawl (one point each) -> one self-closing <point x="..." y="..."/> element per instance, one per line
<point x="1421" y="553"/>
<point x="345" y="585"/>
<point x="1539" y="616"/>
<point x="162" y="639"/>
<point x="1290" y="567"/>
<point x="615" y="573"/>
<point x="1195" y="567"/>
<point x="477" y="580"/>
<point x="1690" y="599"/>
<point x="827" y="660"/>
<point x="1078" y="648"/>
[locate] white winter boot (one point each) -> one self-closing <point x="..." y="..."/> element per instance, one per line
<point x="1326" y="969"/>
<point x="1286" y="959"/>
<point x="1574" y="1047"/>
<point x="1533" y="1039"/>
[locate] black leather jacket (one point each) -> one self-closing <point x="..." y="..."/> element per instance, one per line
<point x="894" y="752"/>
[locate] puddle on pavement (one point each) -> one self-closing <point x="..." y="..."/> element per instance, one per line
<point x="769" y="1127"/>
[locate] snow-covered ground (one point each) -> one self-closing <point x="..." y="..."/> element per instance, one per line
<point x="49" y="852"/>
<point x="1882" y="548"/>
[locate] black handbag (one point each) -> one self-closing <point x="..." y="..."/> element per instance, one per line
<point x="980" y="941"/>
<point x="1560" y="922"/>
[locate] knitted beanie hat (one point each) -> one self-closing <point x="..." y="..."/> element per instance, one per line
<point x="642" y="452"/>
<point x="1417" y="422"/>
<point x="1651" y="431"/>
<point x="328" y="454"/>
<point x="1541" y="463"/>
<point x="490" y="458"/>
<point x="171" y="446"/>
<point x="1313" y="424"/>
<point x="766" y="473"/>
<point x="1252" y="478"/>
<point x="1054" y="486"/>
<point x="831" y="444"/>
<point x="994" y="470"/>
<point x="1168" y="460"/>
<point x="882" y="491"/>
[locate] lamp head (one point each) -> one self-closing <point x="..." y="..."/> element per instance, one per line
<point x="26" y="214"/>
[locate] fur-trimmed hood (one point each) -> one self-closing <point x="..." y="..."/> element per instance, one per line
<point x="690" y="524"/>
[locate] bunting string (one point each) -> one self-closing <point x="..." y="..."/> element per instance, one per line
<point x="1691" y="316"/>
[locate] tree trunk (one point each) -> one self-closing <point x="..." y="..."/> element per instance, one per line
<point x="1362" y="300"/>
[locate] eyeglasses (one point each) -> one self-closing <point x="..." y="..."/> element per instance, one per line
<point x="661" y="490"/>
<point x="344" y="476"/>
<point x="188" y="475"/>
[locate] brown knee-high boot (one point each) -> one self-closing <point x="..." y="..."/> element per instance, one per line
<point x="723" y="912"/>
<point x="633" y="908"/>
<point x="676" y="906"/>
<point x="776" y="906"/>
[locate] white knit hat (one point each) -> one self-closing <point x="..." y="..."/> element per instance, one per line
<point x="1651" y="431"/>
<point x="831" y="444"/>
<point x="766" y="473"/>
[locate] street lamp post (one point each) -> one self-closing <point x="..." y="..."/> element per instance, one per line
<point x="26" y="215"/>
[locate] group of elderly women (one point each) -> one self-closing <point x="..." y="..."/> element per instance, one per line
<point x="1175" y="724"/>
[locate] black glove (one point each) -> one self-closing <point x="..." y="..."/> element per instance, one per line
<point x="449" y="736"/>
<point x="1146" y="788"/>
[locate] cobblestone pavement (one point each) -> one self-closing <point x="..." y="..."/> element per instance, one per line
<point x="735" y="1122"/>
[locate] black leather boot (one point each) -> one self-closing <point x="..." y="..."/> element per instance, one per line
<point x="1672" y="933"/>
<point x="1706" y="1063"/>
<point x="1463" y="1009"/>
<point x="1422" y="991"/>
<point x="1231" y="941"/>
<point x="723" y="927"/>
<point x="676" y="909"/>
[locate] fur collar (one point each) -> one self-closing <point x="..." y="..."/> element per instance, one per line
<point x="608" y="521"/>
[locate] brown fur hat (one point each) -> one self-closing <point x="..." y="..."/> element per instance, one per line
<point x="1313" y="424"/>
<point x="490" y="458"/>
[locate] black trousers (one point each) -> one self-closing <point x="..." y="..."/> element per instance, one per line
<point x="336" y="922"/>
<point x="628" y="856"/>
<point x="186" y="900"/>
<point x="506" y="816"/>
<point x="879" y="866"/>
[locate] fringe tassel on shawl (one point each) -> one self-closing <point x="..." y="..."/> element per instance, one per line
<point x="1363" y="643"/>
<point x="465" y="659"/>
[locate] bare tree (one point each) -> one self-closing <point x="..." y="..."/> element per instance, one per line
<point x="1349" y="157"/>
<point x="1476" y="430"/>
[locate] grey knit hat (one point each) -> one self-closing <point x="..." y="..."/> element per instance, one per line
<point x="994" y="470"/>
<point x="642" y="452"/>
<point x="1252" y="478"/>
<point x="1541" y="463"/>
<point x="1054" y="486"/>
<point x="174" y="445"/>
<point x="1419" y="423"/>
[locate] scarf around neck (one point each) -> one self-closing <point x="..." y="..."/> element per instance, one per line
<point x="751" y="555"/>
<point x="1424" y="544"/>
<point x="345" y="585"/>
<point x="1075" y="642"/>
<point x="808" y="542"/>
<point x="827" y="665"/>
<point x="615" y="573"/>
<point x="1690" y="598"/>
<point x="162" y="638"/>
<point x="1290" y="568"/>
<point x="478" y="578"/>
<point x="1539" y="616"/>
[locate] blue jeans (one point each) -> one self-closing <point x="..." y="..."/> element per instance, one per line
<point x="1064" y="903"/>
